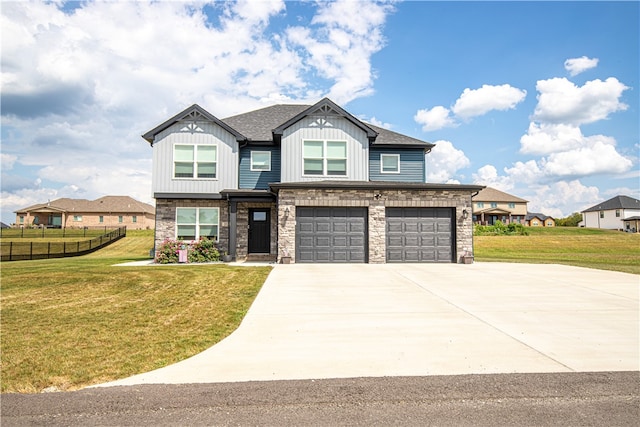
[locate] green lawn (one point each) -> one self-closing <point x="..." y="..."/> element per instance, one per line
<point x="73" y="322"/>
<point x="582" y="247"/>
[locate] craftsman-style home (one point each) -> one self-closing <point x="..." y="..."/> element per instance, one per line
<point x="304" y="183"/>
<point x="491" y="205"/>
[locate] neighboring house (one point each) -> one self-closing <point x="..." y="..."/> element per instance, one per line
<point x="611" y="214"/>
<point x="539" y="220"/>
<point x="307" y="184"/>
<point x="491" y="205"/>
<point x="107" y="211"/>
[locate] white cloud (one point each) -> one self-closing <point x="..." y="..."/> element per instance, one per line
<point x="377" y="122"/>
<point x="79" y="87"/>
<point x="471" y="103"/>
<point x="576" y="66"/>
<point x="488" y="175"/>
<point x="598" y="157"/>
<point x="434" y="119"/>
<point x="562" y="198"/>
<point x="444" y="161"/>
<point x="7" y="161"/>
<point x="339" y="44"/>
<point x="476" y="102"/>
<point x="561" y="101"/>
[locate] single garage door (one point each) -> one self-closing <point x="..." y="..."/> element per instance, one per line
<point x="331" y="234"/>
<point x="419" y="234"/>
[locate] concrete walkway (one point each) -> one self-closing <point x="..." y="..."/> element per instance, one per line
<point x="336" y="321"/>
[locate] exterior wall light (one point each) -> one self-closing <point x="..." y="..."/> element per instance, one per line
<point x="465" y="214"/>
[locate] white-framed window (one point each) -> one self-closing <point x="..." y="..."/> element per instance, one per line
<point x="617" y="213"/>
<point x="134" y="218"/>
<point x="194" y="223"/>
<point x="260" y="161"/>
<point x="494" y="205"/>
<point x="324" y="158"/>
<point x="601" y="214"/>
<point x="120" y="218"/>
<point x="512" y="205"/>
<point x="77" y="218"/>
<point x="480" y="204"/>
<point x="389" y="163"/>
<point x="101" y="219"/>
<point x="195" y="161"/>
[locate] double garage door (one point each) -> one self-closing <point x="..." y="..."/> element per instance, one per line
<point x="332" y="234"/>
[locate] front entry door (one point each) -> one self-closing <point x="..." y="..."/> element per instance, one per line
<point x="259" y="231"/>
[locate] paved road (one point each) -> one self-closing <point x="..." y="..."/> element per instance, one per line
<point x="576" y="399"/>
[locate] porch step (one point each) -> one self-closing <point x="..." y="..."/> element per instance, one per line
<point x="260" y="258"/>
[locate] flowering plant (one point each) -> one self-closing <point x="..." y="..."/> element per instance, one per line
<point x="203" y="250"/>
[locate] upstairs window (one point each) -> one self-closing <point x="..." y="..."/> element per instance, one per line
<point x="325" y="158"/>
<point x="617" y="213"/>
<point x="261" y="161"/>
<point x="195" y="161"/>
<point x="480" y="204"/>
<point x="601" y="214"/>
<point x="194" y="223"/>
<point x="389" y="163"/>
<point x="494" y="205"/>
<point x="512" y="205"/>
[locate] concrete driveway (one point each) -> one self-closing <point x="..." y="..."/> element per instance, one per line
<point x="335" y="321"/>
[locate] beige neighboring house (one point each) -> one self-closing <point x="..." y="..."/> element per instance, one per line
<point x="491" y="205"/>
<point x="539" y="220"/>
<point x="107" y="211"/>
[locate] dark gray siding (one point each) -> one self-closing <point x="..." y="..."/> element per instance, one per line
<point x="411" y="165"/>
<point x="258" y="180"/>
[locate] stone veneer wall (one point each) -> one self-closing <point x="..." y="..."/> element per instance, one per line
<point x="166" y="218"/>
<point x="242" y="223"/>
<point x="288" y="199"/>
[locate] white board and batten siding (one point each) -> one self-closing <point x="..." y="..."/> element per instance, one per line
<point x="324" y="128"/>
<point x="206" y="133"/>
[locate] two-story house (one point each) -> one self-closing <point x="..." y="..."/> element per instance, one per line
<point x="612" y="213"/>
<point x="491" y="205"/>
<point x="312" y="183"/>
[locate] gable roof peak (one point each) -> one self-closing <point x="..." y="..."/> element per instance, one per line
<point x="325" y="107"/>
<point x="193" y="114"/>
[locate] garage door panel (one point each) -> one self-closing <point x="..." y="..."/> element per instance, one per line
<point x="332" y="234"/>
<point x="419" y="234"/>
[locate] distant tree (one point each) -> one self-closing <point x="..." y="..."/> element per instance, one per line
<point x="570" y="221"/>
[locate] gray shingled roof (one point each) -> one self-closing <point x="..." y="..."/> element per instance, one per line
<point x="120" y="204"/>
<point x="492" y="195"/>
<point x="618" y="202"/>
<point x="258" y="125"/>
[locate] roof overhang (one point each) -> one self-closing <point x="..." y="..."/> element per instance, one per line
<point x="373" y="185"/>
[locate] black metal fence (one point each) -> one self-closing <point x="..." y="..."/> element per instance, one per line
<point x="18" y="251"/>
<point x="52" y="232"/>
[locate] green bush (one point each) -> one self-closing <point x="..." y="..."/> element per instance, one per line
<point x="500" y="229"/>
<point x="204" y="250"/>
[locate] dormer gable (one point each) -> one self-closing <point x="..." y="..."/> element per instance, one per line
<point x="191" y="117"/>
<point x="322" y="110"/>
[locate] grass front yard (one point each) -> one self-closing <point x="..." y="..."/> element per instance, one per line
<point x="582" y="247"/>
<point x="73" y="322"/>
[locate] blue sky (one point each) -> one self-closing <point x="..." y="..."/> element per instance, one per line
<point x="539" y="99"/>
